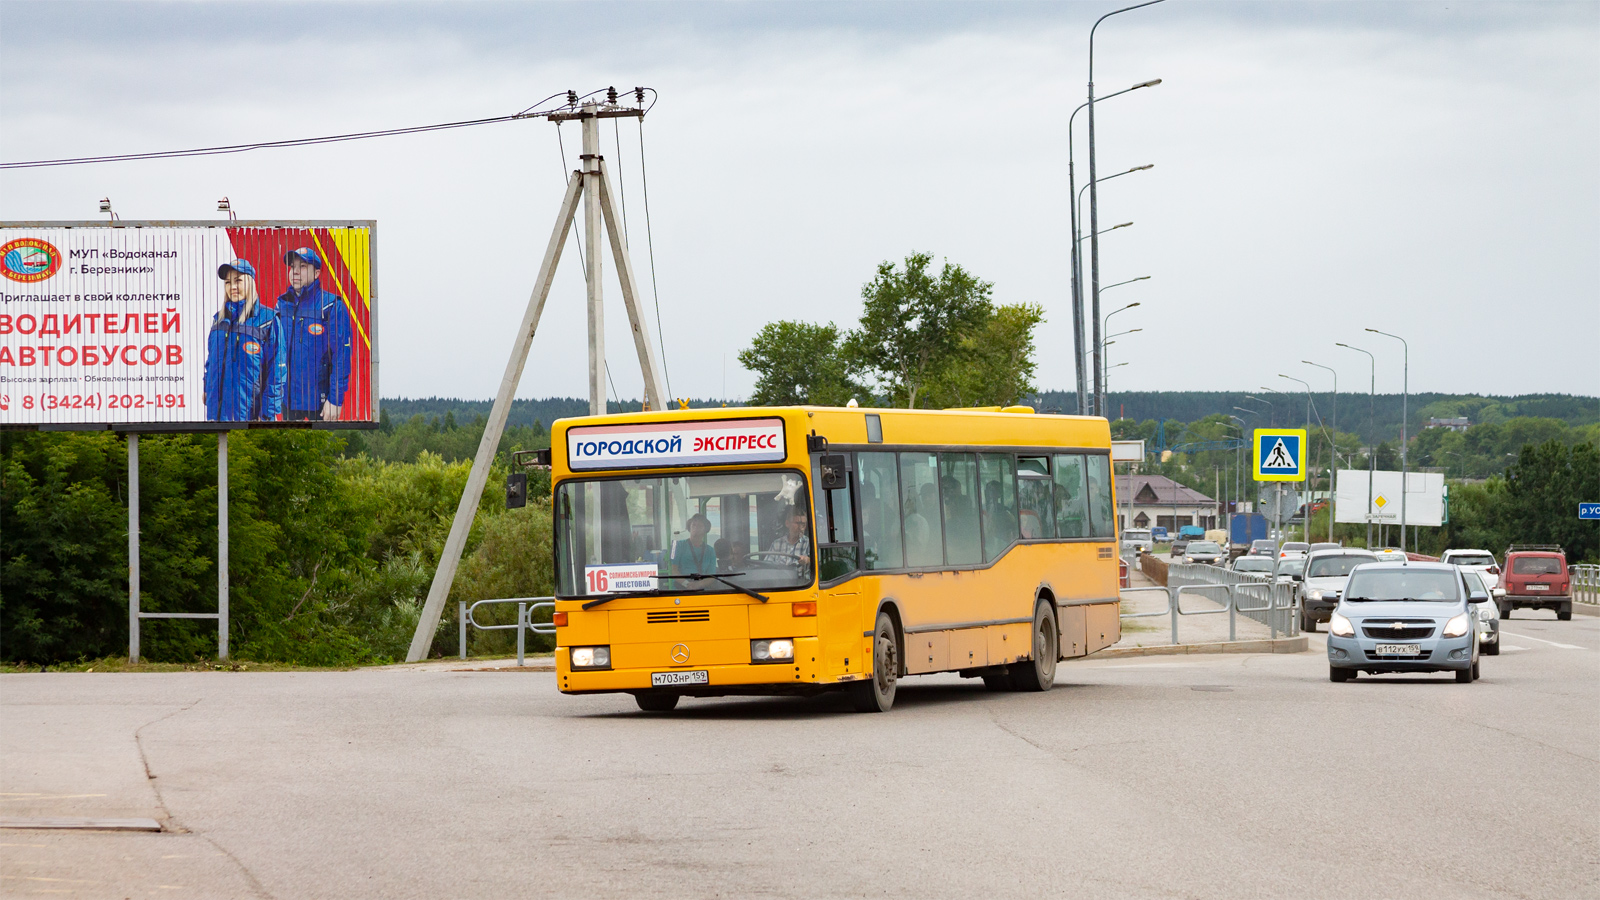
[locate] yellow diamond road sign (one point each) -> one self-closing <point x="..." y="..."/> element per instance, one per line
<point x="1380" y="501"/>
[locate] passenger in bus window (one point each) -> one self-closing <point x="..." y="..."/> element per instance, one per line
<point x="794" y="541"/>
<point x="693" y="556"/>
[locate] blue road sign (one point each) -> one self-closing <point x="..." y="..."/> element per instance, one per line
<point x="1589" y="510"/>
<point x="1278" y="454"/>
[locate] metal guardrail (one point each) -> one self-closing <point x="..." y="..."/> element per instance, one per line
<point x="1274" y="604"/>
<point x="523" y="625"/>
<point x="1585" y="583"/>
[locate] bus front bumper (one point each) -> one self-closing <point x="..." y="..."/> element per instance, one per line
<point x="800" y="676"/>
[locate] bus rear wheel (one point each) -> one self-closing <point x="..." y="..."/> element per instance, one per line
<point x="876" y="694"/>
<point x="1040" y="674"/>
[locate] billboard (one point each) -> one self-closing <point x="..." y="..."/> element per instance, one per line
<point x="1425" y="498"/>
<point x="188" y="323"/>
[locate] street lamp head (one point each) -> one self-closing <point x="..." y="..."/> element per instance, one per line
<point x="1374" y="331"/>
<point x="1143" y="167"/>
<point x="1132" y="305"/>
<point x="1144" y="84"/>
<point x="1135" y="330"/>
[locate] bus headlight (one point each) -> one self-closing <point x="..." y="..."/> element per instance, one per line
<point x="591" y="657"/>
<point x="772" y="651"/>
<point x="1458" y="626"/>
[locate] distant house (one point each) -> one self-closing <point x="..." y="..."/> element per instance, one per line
<point x="1458" y="423"/>
<point x="1146" y="500"/>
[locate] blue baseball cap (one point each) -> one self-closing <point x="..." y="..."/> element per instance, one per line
<point x="305" y="255"/>
<point x="242" y="266"/>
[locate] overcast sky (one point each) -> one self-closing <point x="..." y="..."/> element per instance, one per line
<point x="1431" y="169"/>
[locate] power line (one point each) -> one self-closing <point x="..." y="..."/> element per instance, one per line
<point x="650" y="240"/>
<point x="572" y="100"/>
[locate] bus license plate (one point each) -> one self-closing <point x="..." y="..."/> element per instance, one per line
<point x="1397" y="650"/>
<point x="675" y="679"/>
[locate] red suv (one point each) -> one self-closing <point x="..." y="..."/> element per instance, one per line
<point x="1536" y="577"/>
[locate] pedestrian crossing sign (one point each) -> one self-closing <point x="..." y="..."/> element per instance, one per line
<point x="1280" y="454"/>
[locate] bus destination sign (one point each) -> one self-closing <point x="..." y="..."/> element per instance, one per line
<point x="724" y="442"/>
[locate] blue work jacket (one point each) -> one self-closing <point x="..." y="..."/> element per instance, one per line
<point x="316" y="327"/>
<point x="246" y="366"/>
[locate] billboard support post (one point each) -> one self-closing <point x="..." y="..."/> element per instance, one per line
<point x="222" y="545"/>
<point x="466" y="511"/>
<point x="133" y="546"/>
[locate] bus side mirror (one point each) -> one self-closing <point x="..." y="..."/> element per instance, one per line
<point x="834" y="470"/>
<point x="516" y="490"/>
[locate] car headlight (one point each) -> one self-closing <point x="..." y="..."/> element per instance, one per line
<point x="1340" y="626"/>
<point x="591" y="657"/>
<point x="778" y="651"/>
<point x="1457" y="626"/>
<point x="1313" y="595"/>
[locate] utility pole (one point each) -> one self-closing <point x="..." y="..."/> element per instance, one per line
<point x="591" y="182"/>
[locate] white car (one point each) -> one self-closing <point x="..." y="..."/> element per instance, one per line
<point x="1488" y="613"/>
<point x="1137" y="539"/>
<point x="1480" y="561"/>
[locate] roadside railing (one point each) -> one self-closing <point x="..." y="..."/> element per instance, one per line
<point x="1272" y="603"/>
<point x="523" y="625"/>
<point x="1585" y="583"/>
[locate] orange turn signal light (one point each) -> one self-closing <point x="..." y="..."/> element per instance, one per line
<point x="560" y="619"/>
<point x="804" y="608"/>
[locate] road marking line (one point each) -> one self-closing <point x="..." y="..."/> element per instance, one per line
<point x="1543" y="641"/>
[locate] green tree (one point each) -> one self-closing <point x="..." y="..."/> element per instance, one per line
<point x="993" y="362"/>
<point x="800" y="363"/>
<point x="913" y="324"/>
<point x="1543" y="489"/>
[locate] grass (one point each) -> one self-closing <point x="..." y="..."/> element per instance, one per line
<point x="120" y="664"/>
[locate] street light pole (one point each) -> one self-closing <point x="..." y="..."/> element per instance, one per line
<point x="1405" y="396"/>
<point x="1331" y="478"/>
<point x="1372" y="422"/>
<point x="1108" y="342"/>
<point x="1094" y="206"/>
<point x="1101" y="327"/>
<point x="1311" y="470"/>
<point x="1077" y="258"/>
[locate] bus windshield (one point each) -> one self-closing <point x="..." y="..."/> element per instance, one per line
<point x="682" y="534"/>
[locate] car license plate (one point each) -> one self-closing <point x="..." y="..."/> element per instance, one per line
<point x="675" y="679"/>
<point x="1397" y="650"/>
<point x="1538" y="587"/>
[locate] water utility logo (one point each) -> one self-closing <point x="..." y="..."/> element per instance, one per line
<point x="29" y="259"/>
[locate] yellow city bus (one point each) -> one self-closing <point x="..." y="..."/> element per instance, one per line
<point x="795" y="550"/>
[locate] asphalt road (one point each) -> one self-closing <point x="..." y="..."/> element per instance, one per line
<point x="1209" y="776"/>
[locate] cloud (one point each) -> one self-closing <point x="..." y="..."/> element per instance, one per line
<point x="1426" y="168"/>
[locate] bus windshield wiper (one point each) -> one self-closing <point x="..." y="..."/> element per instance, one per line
<point x="609" y="597"/>
<point x="724" y="579"/>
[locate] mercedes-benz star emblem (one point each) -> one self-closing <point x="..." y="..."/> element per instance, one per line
<point x="680" y="654"/>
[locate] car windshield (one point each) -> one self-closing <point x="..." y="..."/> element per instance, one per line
<point x="1474" y="583"/>
<point x="1261" y="545"/>
<point x="1131" y="535"/>
<point x="1402" y="584"/>
<point x="1246" y="564"/>
<point x="1296" y="547"/>
<point x="1335" y="566"/>
<point x="1293" y="567"/>
<point x="1536" y="565"/>
<point x="751" y="530"/>
<point x="1204" y="547"/>
<point x="1472" y="559"/>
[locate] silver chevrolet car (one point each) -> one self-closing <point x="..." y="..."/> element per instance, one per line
<point x="1405" y="617"/>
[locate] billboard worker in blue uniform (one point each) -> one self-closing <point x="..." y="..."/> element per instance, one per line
<point x="246" y="357"/>
<point x="317" y="328"/>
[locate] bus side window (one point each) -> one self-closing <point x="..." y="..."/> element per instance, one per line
<point x="919" y="490"/>
<point x="997" y="472"/>
<point x="958" y="493"/>
<point x="835" y="525"/>
<point x="1072" y="508"/>
<point x="880" y="511"/>
<point x="1100" y="496"/>
<point x="1035" y="501"/>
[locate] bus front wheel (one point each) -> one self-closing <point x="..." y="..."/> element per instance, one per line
<point x="1040" y="674"/>
<point x="876" y="694"/>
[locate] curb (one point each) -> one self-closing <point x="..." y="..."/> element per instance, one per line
<point x="1584" y="609"/>
<point x="1281" y="645"/>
